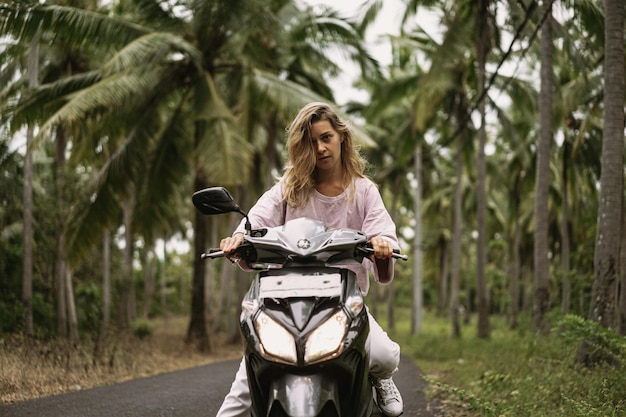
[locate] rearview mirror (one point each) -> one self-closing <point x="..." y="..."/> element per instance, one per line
<point x="214" y="200"/>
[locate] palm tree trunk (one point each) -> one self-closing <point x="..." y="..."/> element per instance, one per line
<point x="514" y="290"/>
<point x="456" y="243"/>
<point x="467" y="307"/>
<point x="71" y="305"/>
<point x="163" y="280"/>
<point x="416" y="317"/>
<point x="565" y="246"/>
<point x="608" y="235"/>
<point x="197" y="331"/>
<point x="60" y="261"/>
<point x="622" y="299"/>
<point x="61" y="298"/>
<point x="542" y="268"/>
<point x="129" y="304"/>
<point x="106" y="283"/>
<point x="148" y="279"/>
<point x="27" y="280"/>
<point x="481" y="197"/>
<point x="442" y="297"/>
<point x="527" y="300"/>
<point x="106" y="296"/>
<point x="66" y="303"/>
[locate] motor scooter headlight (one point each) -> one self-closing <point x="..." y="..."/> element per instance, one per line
<point x="326" y="340"/>
<point x="275" y="340"/>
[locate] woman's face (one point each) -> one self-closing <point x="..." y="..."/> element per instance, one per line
<point x="327" y="146"/>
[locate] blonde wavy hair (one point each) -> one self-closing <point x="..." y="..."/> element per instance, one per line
<point x="299" y="178"/>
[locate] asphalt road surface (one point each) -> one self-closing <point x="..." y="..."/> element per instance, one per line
<point x="195" y="392"/>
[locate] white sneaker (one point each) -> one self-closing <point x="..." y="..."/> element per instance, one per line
<point x="387" y="397"/>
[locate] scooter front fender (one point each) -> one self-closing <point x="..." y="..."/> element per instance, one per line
<point x="304" y="395"/>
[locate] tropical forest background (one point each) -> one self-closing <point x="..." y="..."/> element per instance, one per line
<point x="494" y="129"/>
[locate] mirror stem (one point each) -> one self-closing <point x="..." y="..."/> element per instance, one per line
<point x="248" y="226"/>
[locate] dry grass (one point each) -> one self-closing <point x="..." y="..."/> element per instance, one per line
<point x="32" y="368"/>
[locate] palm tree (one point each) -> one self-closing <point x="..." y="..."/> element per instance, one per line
<point x="579" y="83"/>
<point x="608" y="238"/>
<point x="483" y="45"/>
<point x="542" y="272"/>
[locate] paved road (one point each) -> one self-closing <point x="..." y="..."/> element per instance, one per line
<point x="195" y="392"/>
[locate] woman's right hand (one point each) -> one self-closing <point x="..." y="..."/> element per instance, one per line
<point x="231" y="243"/>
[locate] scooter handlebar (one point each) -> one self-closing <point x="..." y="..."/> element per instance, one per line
<point x="213" y="253"/>
<point x="367" y="250"/>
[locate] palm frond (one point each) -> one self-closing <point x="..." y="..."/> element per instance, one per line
<point x="434" y="88"/>
<point x="218" y="11"/>
<point x="170" y="163"/>
<point x="591" y="14"/>
<point x="110" y="93"/>
<point x="368" y="13"/>
<point x="70" y="26"/>
<point x="223" y="151"/>
<point x="153" y="49"/>
<point x="36" y="105"/>
<point x="11" y="61"/>
<point x="288" y="97"/>
<point x="153" y="14"/>
<point x="393" y="92"/>
<point x="346" y="38"/>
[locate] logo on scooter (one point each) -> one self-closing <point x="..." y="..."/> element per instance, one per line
<point x="304" y="244"/>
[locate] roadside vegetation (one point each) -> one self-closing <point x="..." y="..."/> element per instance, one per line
<point x="32" y="368"/>
<point x="515" y="373"/>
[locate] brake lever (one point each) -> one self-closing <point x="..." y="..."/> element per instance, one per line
<point x="395" y="253"/>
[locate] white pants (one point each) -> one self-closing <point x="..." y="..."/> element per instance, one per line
<point x="384" y="356"/>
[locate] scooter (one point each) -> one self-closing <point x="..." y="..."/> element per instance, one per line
<point x="303" y="319"/>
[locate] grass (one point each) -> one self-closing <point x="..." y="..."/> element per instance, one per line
<point x="31" y="368"/>
<point x="514" y="373"/>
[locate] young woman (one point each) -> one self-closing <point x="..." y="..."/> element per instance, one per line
<point x="324" y="180"/>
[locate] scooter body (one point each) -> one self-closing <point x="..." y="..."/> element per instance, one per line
<point x="305" y="349"/>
